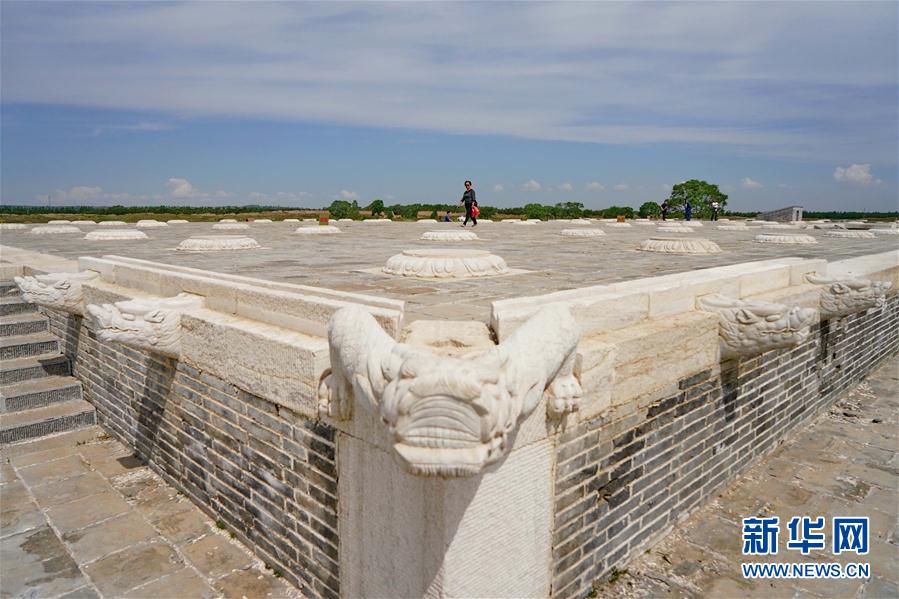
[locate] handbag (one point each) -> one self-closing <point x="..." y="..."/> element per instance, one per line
<point x="474" y="211"/>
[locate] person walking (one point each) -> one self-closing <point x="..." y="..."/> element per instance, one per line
<point x="665" y="210"/>
<point x="688" y="211"/>
<point x="469" y="200"/>
<point x="716" y="207"/>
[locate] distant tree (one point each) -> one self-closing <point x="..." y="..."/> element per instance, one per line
<point x="487" y="212"/>
<point x="433" y="214"/>
<point x="376" y="207"/>
<point x="568" y="210"/>
<point x="648" y="209"/>
<point x="616" y="211"/>
<point x="537" y="211"/>
<point x="701" y="195"/>
<point x="340" y="209"/>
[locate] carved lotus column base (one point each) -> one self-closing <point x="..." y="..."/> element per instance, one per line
<point x="55" y="230"/>
<point x="449" y="236"/>
<point x="582" y="233"/>
<point x="674" y="229"/>
<point x="675" y="245"/>
<point x="788" y="239"/>
<point x="115" y="235"/>
<point x="318" y="230"/>
<point x="851" y="234"/>
<point x="230" y="226"/>
<point x="217" y="243"/>
<point x="445" y="263"/>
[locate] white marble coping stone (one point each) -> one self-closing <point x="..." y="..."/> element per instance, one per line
<point x="290" y="220"/>
<point x="54" y="230"/>
<point x="618" y="224"/>
<point x="784" y="238"/>
<point x="112" y="223"/>
<point x="612" y="306"/>
<point x="693" y="223"/>
<point x="58" y="222"/>
<point x="227" y="220"/>
<point x="177" y="221"/>
<point x="524" y="222"/>
<point x="345" y="220"/>
<point x="230" y="226"/>
<point x="674" y="229"/>
<point x="317" y="230"/>
<point x="149" y="223"/>
<point x="850" y="234"/>
<point x="115" y="235"/>
<point x="298" y="307"/>
<point x="427" y="221"/>
<point x="379" y="221"/>
<point x="878" y="267"/>
<point x="12" y="226"/>
<point x="310" y="220"/>
<point x="886" y="231"/>
<point x="779" y="226"/>
<point x="262" y="221"/>
<point x="81" y="223"/>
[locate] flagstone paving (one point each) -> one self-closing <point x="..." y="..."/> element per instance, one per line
<point x="845" y="464"/>
<point x="81" y="517"/>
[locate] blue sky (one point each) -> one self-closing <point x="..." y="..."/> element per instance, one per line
<point x="299" y="104"/>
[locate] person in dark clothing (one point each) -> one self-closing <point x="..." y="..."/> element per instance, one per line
<point x="469" y="200"/>
<point x="446" y="217"/>
<point x="664" y="210"/>
<point x="688" y="211"/>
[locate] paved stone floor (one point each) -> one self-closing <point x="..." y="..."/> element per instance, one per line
<point x="345" y="262"/>
<point x="82" y="518"/>
<point x="845" y="464"/>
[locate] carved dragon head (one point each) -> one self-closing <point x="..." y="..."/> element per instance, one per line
<point x="61" y="291"/>
<point x="840" y="297"/>
<point x="151" y="324"/>
<point x="749" y="327"/>
<point x="450" y="416"/>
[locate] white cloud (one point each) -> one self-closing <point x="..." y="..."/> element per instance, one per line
<point x="532" y="185"/>
<point x="498" y="188"/>
<point x="566" y="186"/>
<point x="528" y="70"/>
<point x="595" y="186"/>
<point x="85" y="194"/>
<point x="142" y="127"/>
<point x="747" y="183"/>
<point x="622" y="187"/>
<point x="856" y="174"/>
<point x="345" y="194"/>
<point x="182" y="188"/>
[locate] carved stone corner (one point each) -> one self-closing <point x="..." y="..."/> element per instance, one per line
<point x="149" y="324"/>
<point x="748" y="328"/>
<point x="58" y="291"/>
<point x="841" y="297"/>
<point x="450" y="416"/>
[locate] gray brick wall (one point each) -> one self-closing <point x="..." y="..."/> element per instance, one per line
<point x="270" y="476"/>
<point x="621" y="485"/>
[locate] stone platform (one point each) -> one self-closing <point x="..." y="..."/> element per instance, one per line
<point x="81" y="517"/>
<point x="545" y="260"/>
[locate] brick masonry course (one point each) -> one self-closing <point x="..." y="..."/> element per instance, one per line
<point x="264" y="473"/>
<point x="622" y="485"/>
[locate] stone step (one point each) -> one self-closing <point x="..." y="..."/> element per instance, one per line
<point x="38" y="422"/>
<point x="8" y="289"/>
<point x="38" y="393"/>
<point x="26" y="323"/>
<point x="26" y="346"/>
<point x="15" y="305"/>
<point x="23" y="369"/>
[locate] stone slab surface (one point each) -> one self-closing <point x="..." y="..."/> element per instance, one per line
<point x="81" y="517"/>
<point x="352" y="261"/>
<point x="846" y="463"/>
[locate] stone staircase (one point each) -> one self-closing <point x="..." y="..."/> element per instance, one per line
<point x="38" y="395"/>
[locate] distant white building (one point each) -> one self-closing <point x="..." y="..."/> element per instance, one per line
<point x="789" y="214"/>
